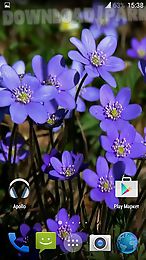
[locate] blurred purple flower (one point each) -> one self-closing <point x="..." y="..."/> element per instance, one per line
<point x="87" y="93"/>
<point x="21" y="153"/>
<point x="123" y="146"/>
<point x="97" y="60"/>
<point x="142" y="68"/>
<point x="115" y="111"/>
<point x="102" y="182"/>
<point x="24" y="96"/>
<point x="55" y="119"/>
<point x="46" y="167"/>
<point x="26" y="232"/>
<point x="138" y="50"/>
<point x="68" y="168"/>
<point x="104" y="25"/>
<point x="56" y="78"/>
<point x="65" y="227"/>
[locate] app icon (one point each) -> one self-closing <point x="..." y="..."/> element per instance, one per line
<point x="100" y="243"/>
<point x="73" y="243"/>
<point x="127" y="243"/>
<point x="45" y="240"/>
<point x="14" y="188"/>
<point x="126" y="188"/>
<point x="22" y="249"/>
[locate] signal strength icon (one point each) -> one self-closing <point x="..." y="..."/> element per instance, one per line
<point x="109" y="5"/>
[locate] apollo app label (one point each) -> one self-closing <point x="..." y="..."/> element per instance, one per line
<point x="126" y="188"/>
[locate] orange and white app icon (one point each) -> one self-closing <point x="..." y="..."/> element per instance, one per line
<point x="126" y="188"/>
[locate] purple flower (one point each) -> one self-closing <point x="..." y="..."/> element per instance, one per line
<point x="142" y="68"/>
<point x="87" y="92"/>
<point x="115" y="111"/>
<point x="97" y="60"/>
<point x="138" y="50"/>
<point x="102" y="182"/>
<point x="24" y="96"/>
<point x="26" y="232"/>
<point x="65" y="227"/>
<point x="21" y="153"/>
<point x="68" y="167"/>
<point x="123" y="146"/>
<point x="46" y="160"/>
<point x="57" y="79"/>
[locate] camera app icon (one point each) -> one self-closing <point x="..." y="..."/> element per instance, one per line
<point x="100" y="243"/>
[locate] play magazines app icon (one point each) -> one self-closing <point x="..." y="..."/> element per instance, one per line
<point x="126" y="188"/>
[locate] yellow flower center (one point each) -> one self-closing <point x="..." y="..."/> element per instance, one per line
<point x="141" y="53"/>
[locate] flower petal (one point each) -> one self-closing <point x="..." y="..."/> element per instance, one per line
<point x="114" y="64"/>
<point x="110" y="199"/>
<point x="106" y="95"/>
<point x="75" y="55"/>
<point x="66" y="159"/>
<point x="90" y="178"/>
<point x="66" y="78"/>
<point x="19" y="67"/>
<point x="123" y="96"/>
<point x="74" y="223"/>
<point x="128" y="133"/>
<point x="24" y="229"/>
<point x="57" y="165"/>
<point x="55" y="174"/>
<point x="96" y="195"/>
<point x="37" y="112"/>
<point x="108" y="45"/>
<point x="131" y="112"/>
<point x="39" y="67"/>
<point x="137" y="150"/>
<point x="97" y="112"/>
<point x="81" y="107"/>
<point x="106" y="143"/>
<point x="44" y="94"/>
<point x="31" y="81"/>
<point x="111" y="157"/>
<point x="107" y="77"/>
<point x="62" y="216"/>
<point x="65" y="100"/>
<point x="5" y="98"/>
<point x="102" y="167"/>
<point x="56" y="65"/>
<point x="52" y="225"/>
<point x="91" y="71"/>
<point x="79" y="45"/>
<point x="88" y="40"/>
<point x="10" y="77"/>
<point x="18" y="113"/>
<point x="90" y="93"/>
<point x="130" y="167"/>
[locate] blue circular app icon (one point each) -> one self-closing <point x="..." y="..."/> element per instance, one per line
<point x="127" y="243"/>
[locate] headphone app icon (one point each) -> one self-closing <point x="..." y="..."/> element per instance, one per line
<point x="13" y="187"/>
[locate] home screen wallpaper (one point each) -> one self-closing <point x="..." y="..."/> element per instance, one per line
<point x="72" y="130"/>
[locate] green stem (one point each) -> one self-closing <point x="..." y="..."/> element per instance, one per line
<point x="11" y="142"/>
<point x="35" y="177"/>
